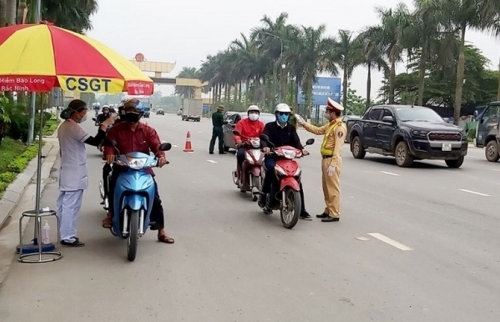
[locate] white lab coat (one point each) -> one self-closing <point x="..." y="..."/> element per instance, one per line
<point x="73" y="177"/>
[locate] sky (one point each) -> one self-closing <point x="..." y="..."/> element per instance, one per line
<point x="186" y="32"/>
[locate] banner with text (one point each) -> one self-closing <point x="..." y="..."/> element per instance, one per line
<point x="90" y="84"/>
<point x="27" y="83"/>
<point x="324" y="88"/>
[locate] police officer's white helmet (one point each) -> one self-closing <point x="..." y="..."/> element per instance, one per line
<point x="282" y="108"/>
<point x="253" y="108"/>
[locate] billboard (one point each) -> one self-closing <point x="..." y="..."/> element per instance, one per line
<point x="323" y="88"/>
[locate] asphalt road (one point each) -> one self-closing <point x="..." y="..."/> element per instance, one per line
<point x="413" y="245"/>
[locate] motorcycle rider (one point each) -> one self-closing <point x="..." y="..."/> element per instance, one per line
<point x="249" y="127"/>
<point x="134" y="136"/>
<point x="280" y="133"/>
<point x="105" y="114"/>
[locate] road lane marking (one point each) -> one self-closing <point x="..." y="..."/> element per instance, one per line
<point x="495" y="169"/>
<point x="389" y="241"/>
<point x="390" y="173"/>
<point x="212" y="161"/>
<point x="175" y="146"/>
<point x="475" y="193"/>
<point x="362" y="238"/>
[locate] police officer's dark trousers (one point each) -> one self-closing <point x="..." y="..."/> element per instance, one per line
<point x="157" y="214"/>
<point x="217" y="133"/>
<point x="271" y="179"/>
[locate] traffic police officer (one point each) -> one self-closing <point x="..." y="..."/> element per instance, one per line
<point x="217" y="132"/>
<point x="334" y="133"/>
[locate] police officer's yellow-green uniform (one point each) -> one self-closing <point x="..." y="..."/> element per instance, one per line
<point x="217" y="132"/>
<point x="331" y="164"/>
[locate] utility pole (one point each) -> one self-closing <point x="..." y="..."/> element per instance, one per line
<point x="31" y="126"/>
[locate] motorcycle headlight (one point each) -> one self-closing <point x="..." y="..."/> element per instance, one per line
<point x="289" y="154"/>
<point x="136" y="163"/>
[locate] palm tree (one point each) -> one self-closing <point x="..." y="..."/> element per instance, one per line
<point x="70" y="14"/>
<point x="346" y="53"/>
<point x="464" y="15"/>
<point x="371" y="55"/>
<point x="390" y="32"/>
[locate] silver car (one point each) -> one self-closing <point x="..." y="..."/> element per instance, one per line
<point x="234" y="118"/>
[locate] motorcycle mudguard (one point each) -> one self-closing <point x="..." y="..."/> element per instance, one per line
<point x="289" y="182"/>
<point x="255" y="170"/>
<point x="133" y="190"/>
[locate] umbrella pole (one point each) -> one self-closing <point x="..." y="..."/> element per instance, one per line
<point x="38" y="248"/>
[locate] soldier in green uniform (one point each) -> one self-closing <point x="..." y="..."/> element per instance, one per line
<point x="217" y="133"/>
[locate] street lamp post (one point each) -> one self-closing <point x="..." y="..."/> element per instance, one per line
<point x="275" y="69"/>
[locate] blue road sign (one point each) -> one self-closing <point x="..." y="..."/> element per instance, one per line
<point x="323" y="88"/>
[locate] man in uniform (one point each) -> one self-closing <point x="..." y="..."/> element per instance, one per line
<point x="217" y="133"/>
<point x="334" y="133"/>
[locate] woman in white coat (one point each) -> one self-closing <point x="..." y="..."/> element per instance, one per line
<point x="73" y="176"/>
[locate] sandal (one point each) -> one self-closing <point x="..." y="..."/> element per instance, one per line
<point x="166" y="239"/>
<point x="107" y="222"/>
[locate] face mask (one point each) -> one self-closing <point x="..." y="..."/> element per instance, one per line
<point x="83" y="119"/>
<point x="283" y="118"/>
<point x="132" y="117"/>
<point x="253" y="117"/>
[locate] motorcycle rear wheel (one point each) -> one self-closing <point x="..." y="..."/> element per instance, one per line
<point x="133" y="236"/>
<point x="290" y="210"/>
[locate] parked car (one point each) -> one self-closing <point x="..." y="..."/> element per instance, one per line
<point x="347" y="118"/>
<point x="234" y="118"/>
<point x="408" y="133"/>
<point x="147" y="112"/>
<point x="487" y="134"/>
<point x="160" y="112"/>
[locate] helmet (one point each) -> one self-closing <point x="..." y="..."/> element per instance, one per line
<point x="105" y="106"/>
<point x="134" y="103"/>
<point x="254" y="108"/>
<point x="282" y="108"/>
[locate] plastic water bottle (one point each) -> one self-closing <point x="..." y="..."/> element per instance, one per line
<point x="46" y="233"/>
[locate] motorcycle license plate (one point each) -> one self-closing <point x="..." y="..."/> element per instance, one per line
<point x="446" y="147"/>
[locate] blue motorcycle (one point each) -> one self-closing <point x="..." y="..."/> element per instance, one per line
<point x="133" y="197"/>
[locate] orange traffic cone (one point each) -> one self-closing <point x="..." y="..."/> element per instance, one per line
<point x="188" y="147"/>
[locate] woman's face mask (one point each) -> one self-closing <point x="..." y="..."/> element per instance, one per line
<point x="82" y="118"/>
<point x="283" y="118"/>
<point x="253" y="116"/>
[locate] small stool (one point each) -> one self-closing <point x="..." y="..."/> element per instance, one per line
<point x="38" y="249"/>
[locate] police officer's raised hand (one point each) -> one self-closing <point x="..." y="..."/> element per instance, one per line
<point x="300" y="119"/>
<point x="161" y="161"/>
<point x="330" y="171"/>
<point x="110" y="158"/>
<point x="266" y="150"/>
<point x="305" y="152"/>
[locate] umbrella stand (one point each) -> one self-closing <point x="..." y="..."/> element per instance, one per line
<point x="38" y="248"/>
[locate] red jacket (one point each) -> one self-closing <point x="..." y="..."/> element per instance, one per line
<point x="248" y="129"/>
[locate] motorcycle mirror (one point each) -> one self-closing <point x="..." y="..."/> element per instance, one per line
<point x="94" y="119"/>
<point x="165" y="146"/>
<point x="310" y="142"/>
<point x="236" y="132"/>
<point x="264" y="137"/>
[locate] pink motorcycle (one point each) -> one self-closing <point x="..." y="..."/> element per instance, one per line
<point x="249" y="178"/>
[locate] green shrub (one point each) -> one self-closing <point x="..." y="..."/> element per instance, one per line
<point x="14" y="158"/>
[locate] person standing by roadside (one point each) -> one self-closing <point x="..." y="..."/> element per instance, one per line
<point x="334" y="133"/>
<point x="217" y="132"/>
<point x="73" y="176"/>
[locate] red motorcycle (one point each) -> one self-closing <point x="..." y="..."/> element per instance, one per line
<point x="285" y="191"/>
<point x="249" y="178"/>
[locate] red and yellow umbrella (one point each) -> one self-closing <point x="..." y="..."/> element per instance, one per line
<point x="37" y="58"/>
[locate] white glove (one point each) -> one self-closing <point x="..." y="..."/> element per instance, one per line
<point x="299" y="119"/>
<point x="330" y="171"/>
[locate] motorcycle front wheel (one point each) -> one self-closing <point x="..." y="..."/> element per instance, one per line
<point x="290" y="210"/>
<point x="133" y="235"/>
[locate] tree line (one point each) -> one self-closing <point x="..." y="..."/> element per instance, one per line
<point x="442" y="69"/>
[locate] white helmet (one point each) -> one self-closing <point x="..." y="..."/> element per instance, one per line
<point x="105" y="106"/>
<point x="253" y="108"/>
<point x="282" y="108"/>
